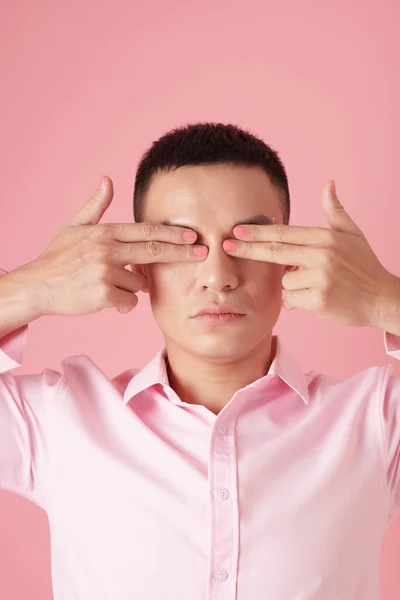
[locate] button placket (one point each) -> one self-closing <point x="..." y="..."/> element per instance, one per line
<point x="222" y="494"/>
<point x="224" y="514"/>
<point x="222" y="428"/>
<point x="221" y="575"/>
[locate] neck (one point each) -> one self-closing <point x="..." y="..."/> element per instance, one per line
<point x="213" y="381"/>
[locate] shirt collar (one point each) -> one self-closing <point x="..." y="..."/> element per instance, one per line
<point x="155" y="372"/>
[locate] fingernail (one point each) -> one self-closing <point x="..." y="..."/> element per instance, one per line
<point x="230" y="245"/>
<point x="102" y="182"/>
<point x="333" y="187"/>
<point x="189" y="236"/>
<point x="199" y="250"/>
<point x="240" y="231"/>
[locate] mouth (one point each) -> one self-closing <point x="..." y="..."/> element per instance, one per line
<point x="224" y="308"/>
<point x="218" y="318"/>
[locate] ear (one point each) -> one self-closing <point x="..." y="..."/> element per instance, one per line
<point x="141" y="270"/>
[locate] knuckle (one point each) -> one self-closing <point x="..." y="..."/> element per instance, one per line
<point x="281" y="231"/>
<point x="184" y="250"/>
<point x="110" y="230"/>
<point x="324" y="296"/>
<point x="244" y="249"/>
<point x="149" y="229"/>
<point x="327" y="255"/>
<point x="115" y="251"/>
<point x="98" y="254"/>
<point x="276" y="247"/>
<point x="319" y="302"/>
<point x="93" y="200"/>
<point x="323" y="279"/>
<point x="103" y="271"/>
<point x="97" y="232"/>
<point x="332" y="240"/>
<point x="104" y="295"/>
<point x="154" y="248"/>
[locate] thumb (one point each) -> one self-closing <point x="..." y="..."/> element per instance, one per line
<point x="92" y="211"/>
<point x="337" y="216"/>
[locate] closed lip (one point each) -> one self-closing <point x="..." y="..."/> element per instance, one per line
<point x="217" y="309"/>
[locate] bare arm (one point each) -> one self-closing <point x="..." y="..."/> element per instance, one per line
<point x="17" y="304"/>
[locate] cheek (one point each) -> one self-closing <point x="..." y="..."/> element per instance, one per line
<point x="266" y="283"/>
<point x="167" y="293"/>
<point x="165" y="280"/>
<point x="265" y="274"/>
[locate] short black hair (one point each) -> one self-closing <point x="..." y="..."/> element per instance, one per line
<point x="206" y="143"/>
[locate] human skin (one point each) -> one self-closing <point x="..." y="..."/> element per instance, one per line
<point x="208" y="363"/>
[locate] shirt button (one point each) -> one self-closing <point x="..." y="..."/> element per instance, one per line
<point x="222" y="428"/>
<point x="222" y="494"/>
<point x="221" y="575"/>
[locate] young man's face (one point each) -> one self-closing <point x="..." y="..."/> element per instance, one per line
<point x="211" y="200"/>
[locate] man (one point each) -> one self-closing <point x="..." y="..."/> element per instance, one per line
<point x="220" y="470"/>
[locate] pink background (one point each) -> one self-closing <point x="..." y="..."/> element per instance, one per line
<point x="87" y="86"/>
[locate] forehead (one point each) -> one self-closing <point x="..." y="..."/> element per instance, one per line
<point x="212" y="192"/>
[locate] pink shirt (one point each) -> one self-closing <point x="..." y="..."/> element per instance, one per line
<point x="285" y="494"/>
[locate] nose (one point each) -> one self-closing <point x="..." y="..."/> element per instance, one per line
<point x="218" y="271"/>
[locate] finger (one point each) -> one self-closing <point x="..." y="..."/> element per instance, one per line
<point x="122" y="300"/>
<point x="300" y="299"/>
<point x="289" y="234"/>
<point x="275" y="252"/>
<point x="147" y="231"/>
<point x="127" y="280"/>
<point x="299" y="280"/>
<point x="142" y="253"/>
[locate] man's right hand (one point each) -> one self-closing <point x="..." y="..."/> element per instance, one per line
<point x="83" y="270"/>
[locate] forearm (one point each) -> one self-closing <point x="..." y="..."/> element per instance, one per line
<point x="389" y="306"/>
<point x="17" y="306"/>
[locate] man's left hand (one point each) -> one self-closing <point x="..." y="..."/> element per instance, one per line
<point x="332" y="272"/>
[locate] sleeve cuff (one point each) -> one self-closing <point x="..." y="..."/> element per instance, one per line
<point x="392" y="344"/>
<point x="12" y="346"/>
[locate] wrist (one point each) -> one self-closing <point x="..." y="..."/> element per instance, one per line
<point x="17" y="291"/>
<point x="388" y="305"/>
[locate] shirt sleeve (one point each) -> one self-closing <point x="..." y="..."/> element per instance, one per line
<point x="389" y="390"/>
<point x="25" y="401"/>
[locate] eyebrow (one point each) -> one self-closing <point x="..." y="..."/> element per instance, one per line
<point x="255" y="220"/>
